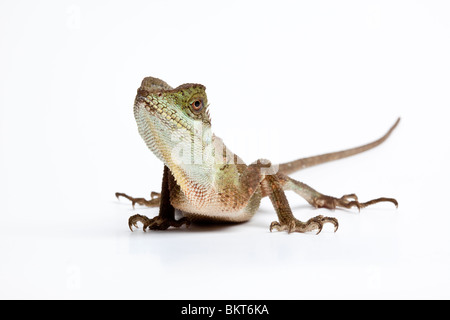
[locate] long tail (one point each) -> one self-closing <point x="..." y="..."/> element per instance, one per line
<point x="290" y="167"/>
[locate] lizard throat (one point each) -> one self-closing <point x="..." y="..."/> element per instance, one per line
<point x="184" y="149"/>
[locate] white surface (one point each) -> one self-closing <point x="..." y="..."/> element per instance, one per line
<point x="285" y="80"/>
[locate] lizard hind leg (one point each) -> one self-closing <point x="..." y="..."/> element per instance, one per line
<point x="319" y="200"/>
<point x="153" y="202"/>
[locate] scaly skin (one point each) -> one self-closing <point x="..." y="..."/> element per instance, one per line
<point x="205" y="180"/>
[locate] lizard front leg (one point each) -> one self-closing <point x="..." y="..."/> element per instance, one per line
<point x="272" y="186"/>
<point x="166" y="217"/>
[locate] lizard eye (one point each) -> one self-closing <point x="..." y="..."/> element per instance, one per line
<point x="197" y="105"/>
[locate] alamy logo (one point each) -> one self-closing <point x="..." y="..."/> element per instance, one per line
<point x="198" y="146"/>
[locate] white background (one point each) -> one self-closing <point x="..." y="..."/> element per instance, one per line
<point x="285" y="79"/>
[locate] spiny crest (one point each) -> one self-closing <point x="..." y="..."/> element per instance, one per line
<point x="151" y="84"/>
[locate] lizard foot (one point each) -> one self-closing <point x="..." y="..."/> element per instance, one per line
<point x="295" y="225"/>
<point x="156" y="223"/>
<point x="347" y="201"/>
<point x="153" y="202"/>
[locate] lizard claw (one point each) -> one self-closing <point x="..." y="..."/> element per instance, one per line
<point x="153" y="202"/>
<point x="132" y="221"/>
<point x="154" y="195"/>
<point x="310" y="225"/>
<point x="332" y="203"/>
<point x="156" y="223"/>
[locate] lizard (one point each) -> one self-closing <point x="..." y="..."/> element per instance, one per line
<point x="205" y="181"/>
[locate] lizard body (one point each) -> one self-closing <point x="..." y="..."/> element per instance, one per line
<point x="205" y="180"/>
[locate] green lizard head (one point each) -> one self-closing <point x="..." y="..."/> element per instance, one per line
<point x="174" y="123"/>
<point x="174" y="108"/>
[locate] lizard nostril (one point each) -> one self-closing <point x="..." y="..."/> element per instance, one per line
<point x="142" y="93"/>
